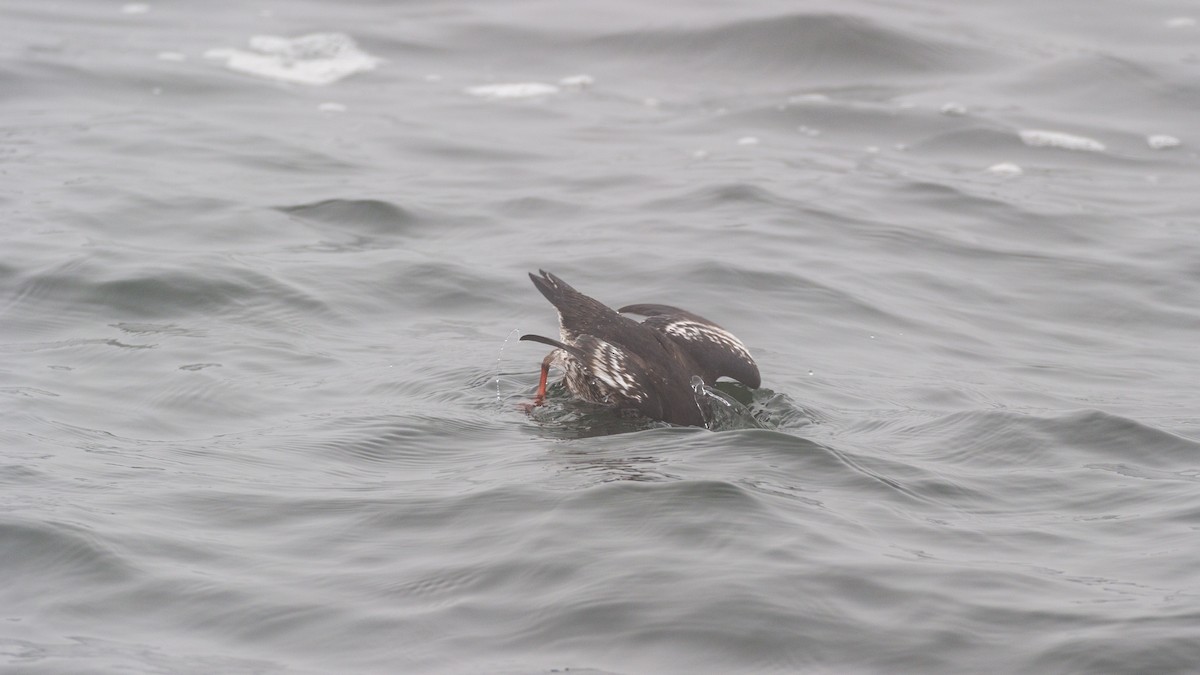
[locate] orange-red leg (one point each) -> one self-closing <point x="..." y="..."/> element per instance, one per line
<point x="540" y="397"/>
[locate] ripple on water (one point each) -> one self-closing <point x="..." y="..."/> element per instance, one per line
<point x="354" y="488"/>
<point x="821" y="47"/>
<point x="40" y="556"/>
<point x="149" y="292"/>
<point x="87" y="654"/>
<point x="359" y="224"/>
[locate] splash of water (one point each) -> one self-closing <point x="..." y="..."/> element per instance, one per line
<point x="499" y="357"/>
<point x="721" y="411"/>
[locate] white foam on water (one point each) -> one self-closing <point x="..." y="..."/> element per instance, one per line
<point x="171" y="56"/>
<point x="1005" y="169"/>
<point x="748" y="140"/>
<point x="316" y="59"/>
<point x="517" y="90"/>
<point x="1039" y="138"/>
<point x="1180" y="22"/>
<point x="808" y="98"/>
<point x="954" y="108"/>
<point x="513" y="90"/>
<point x="135" y="8"/>
<point x="1162" y="142"/>
<point x="331" y="106"/>
<point x="580" y="81"/>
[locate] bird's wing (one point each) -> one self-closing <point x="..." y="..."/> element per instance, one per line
<point x="718" y="352"/>
<point x="619" y="369"/>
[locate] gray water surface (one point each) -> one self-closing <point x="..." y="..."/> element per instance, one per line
<point x="260" y="386"/>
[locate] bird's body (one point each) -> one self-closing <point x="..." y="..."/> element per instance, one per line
<point x="611" y="359"/>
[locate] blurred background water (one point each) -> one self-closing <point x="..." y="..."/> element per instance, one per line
<point x="263" y="266"/>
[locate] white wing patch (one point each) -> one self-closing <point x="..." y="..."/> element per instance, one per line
<point x="563" y="334"/>
<point x="702" y="332"/>
<point x="611" y="365"/>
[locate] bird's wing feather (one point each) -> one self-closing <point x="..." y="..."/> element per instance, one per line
<point x="621" y="371"/>
<point x="719" y="352"/>
<point x="576" y="310"/>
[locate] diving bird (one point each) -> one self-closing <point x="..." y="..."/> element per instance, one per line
<point x="647" y="367"/>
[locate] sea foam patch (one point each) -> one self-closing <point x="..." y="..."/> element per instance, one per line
<point x="1006" y="169"/>
<point x="581" y="81"/>
<point x="513" y="90"/>
<point x="1162" y="142"/>
<point x="316" y="59"/>
<point x="1039" y="138"/>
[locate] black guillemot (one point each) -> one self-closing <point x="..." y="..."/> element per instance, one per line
<point x="647" y="367"/>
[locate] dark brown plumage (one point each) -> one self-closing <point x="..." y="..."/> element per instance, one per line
<point x="648" y="367"/>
